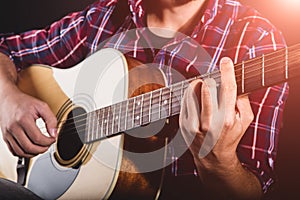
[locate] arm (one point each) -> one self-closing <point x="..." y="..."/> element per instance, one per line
<point x="18" y="122"/>
<point x="63" y="44"/>
<point x="213" y="133"/>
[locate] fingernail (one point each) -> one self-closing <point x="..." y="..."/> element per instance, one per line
<point x="225" y="60"/>
<point x="53" y="132"/>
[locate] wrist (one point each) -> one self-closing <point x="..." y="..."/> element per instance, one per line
<point x="7" y="87"/>
<point x="214" y="164"/>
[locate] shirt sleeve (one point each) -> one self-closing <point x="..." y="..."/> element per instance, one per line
<point x="65" y="42"/>
<point x="258" y="148"/>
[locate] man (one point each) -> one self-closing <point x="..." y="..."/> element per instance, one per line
<point x="240" y="162"/>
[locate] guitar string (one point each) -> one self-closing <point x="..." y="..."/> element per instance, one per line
<point x="292" y="60"/>
<point x="248" y="72"/>
<point x="110" y="122"/>
<point x="132" y="111"/>
<point x="107" y="130"/>
<point x="267" y="58"/>
<point x="216" y="73"/>
<point x="211" y="75"/>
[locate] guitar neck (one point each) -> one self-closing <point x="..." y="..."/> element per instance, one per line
<point x="251" y="75"/>
<point x="267" y="70"/>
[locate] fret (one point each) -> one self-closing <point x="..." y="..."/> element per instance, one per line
<point x="126" y="115"/>
<point x="138" y="111"/>
<point x="141" y="111"/>
<point x="145" y="108"/>
<point x="263" y="71"/>
<point x="159" y="103"/>
<point x="133" y="111"/>
<point x="243" y="77"/>
<point x="275" y="68"/>
<point x="123" y="115"/>
<point x="181" y="89"/>
<point x="286" y="64"/>
<point x="102" y="123"/>
<point x="150" y="106"/>
<point x="94" y="126"/>
<point x="110" y="120"/>
<point x="176" y="98"/>
<point x="165" y="103"/>
<point x="119" y="117"/>
<point x="105" y="113"/>
<point x="113" y="118"/>
<point x="130" y="113"/>
<point x="107" y="121"/>
<point x="98" y="134"/>
<point x="170" y="101"/>
<point x="155" y="102"/>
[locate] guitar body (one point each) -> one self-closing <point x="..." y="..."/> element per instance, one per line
<point x="72" y="169"/>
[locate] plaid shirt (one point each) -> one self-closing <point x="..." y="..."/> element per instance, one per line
<point x="226" y="28"/>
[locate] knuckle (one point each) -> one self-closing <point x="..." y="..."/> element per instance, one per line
<point x="36" y="138"/>
<point x="204" y="127"/>
<point x="44" y="105"/>
<point x="250" y="117"/>
<point x="29" y="148"/>
<point x="230" y="87"/>
<point x="18" y="152"/>
<point x="20" y="116"/>
<point x="228" y="124"/>
<point x="9" y="128"/>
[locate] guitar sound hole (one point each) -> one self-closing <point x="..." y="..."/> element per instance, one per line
<point x="71" y="136"/>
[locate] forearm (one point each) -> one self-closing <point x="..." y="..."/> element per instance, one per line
<point x="228" y="180"/>
<point x="8" y="74"/>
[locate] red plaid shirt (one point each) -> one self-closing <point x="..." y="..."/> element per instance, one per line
<point x="226" y="28"/>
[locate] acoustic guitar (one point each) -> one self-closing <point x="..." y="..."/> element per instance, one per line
<point x="115" y="123"/>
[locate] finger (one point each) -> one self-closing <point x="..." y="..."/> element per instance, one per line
<point x="228" y="91"/>
<point x="34" y="133"/>
<point x="193" y="108"/>
<point x="245" y="111"/>
<point x="189" y="117"/>
<point x="15" y="148"/>
<point x="185" y="117"/>
<point x="25" y="143"/>
<point x="183" y="108"/>
<point x="49" y="118"/>
<point x="209" y="103"/>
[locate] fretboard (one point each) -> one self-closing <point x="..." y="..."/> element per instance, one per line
<point x="251" y="75"/>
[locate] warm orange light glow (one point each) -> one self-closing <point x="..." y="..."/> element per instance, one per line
<point x="290" y="4"/>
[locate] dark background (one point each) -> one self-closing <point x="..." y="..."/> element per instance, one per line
<point x="21" y="15"/>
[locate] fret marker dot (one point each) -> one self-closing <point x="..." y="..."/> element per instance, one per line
<point x="117" y="117"/>
<point x="137" y="117"/>
<point x="138" y="103"/>
<point x="165" y="101"/>
<point x="105" y="121"/>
